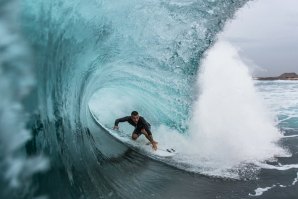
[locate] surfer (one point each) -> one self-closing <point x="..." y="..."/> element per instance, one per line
<point x="141" y="127"/>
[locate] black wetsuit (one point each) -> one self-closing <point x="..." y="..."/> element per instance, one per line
<point x="142" y="124"/>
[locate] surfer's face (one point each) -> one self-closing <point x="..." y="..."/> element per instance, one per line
<point x="135" y="118"/>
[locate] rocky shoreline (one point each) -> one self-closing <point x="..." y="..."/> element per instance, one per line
<point x="285" y="76"/>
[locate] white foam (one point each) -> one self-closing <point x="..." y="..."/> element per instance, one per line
<point x="230" y="123"/>
<point x="279" y="167"/>
<point x="260" y="191"/>
<point x="295" y="180"/>
<point x="290" y="136"/>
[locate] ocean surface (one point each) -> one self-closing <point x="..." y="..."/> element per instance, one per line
<point x="235" y="137"/>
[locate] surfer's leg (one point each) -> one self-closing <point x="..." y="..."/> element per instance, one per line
<point x="148" y="135"/>
<point x="135" y="134"/>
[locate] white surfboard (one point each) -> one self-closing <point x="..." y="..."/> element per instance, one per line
<point x="140" y="146"/>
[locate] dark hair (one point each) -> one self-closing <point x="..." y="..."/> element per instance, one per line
<point x="134" y="113"/>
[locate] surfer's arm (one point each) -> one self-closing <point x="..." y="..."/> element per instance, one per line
<point x="123" y="119"/>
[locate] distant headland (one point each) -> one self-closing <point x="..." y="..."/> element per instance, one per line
<point x="285" y="76"/>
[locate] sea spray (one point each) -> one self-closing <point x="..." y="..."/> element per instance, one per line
<point x="230" y="124"/>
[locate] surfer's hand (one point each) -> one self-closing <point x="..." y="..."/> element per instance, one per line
<point x="154" y="146"/>
<point x="116" y="128"/>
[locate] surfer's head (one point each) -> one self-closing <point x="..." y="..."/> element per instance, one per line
<point x="135" y="116"/>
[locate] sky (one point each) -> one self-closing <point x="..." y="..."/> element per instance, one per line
<point x="266" y="32"/>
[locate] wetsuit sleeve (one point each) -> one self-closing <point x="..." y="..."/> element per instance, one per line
<point x="123" y="119"/>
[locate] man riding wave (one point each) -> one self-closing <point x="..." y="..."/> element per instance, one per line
<point x="141" y="127"/>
